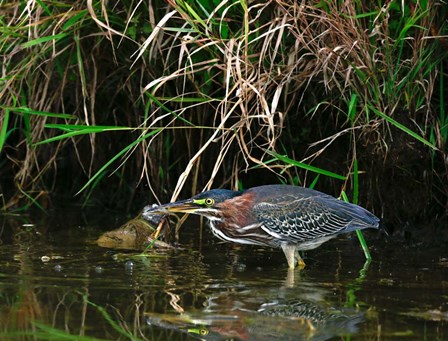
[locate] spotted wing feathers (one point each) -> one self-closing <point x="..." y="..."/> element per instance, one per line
<point x="311" y="217"/>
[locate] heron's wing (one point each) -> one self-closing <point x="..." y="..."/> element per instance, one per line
<point x="308" y="218"/>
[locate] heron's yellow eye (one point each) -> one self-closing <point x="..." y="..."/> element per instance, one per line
<point x="203" y="331"/>
<point x="209" y="201"/>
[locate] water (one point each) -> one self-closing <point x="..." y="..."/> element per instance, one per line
<point x="56" y="284"/>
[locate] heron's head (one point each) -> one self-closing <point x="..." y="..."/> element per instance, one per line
<point x="209" y="204"/>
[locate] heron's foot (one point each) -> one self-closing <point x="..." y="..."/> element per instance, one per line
<point x="300" y="263"/>
<point x="293" y="257"/>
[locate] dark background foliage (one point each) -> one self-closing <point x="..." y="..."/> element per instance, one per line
<point x="140" y="101"/>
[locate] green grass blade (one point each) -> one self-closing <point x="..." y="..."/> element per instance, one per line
<point x="404" y="128"/>
<point x="299" y="164"/>
<point x="352" y="108"/>
<point x="111" y="322"/>
<point x="25" y="110"/>
<point x="83" y="127"/>
<point x="51" y="333"/>
<point x="355" y="201"/>
<point x="119" y="154"/>
<point x="361" y="239"/>
<point x="31" y="201"/>
<point x="150" y="245"/>
<point x="196" y="16"/>
<point x="161" y="105"/>
<point x="74" y="20"/>
<point x="62" y="137"/>
<point x="45" y="7"/>
<point x="44" y="39"/>
<point x="74" y="130"/>
<point x="313" y="184"/>
<point x="355" y="182"/>
<point x="443" y="118"/>
<point x="4" y="130"/>
<point x="364" y="246"/>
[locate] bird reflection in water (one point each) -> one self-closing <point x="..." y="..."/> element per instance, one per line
<point x="276" y="320"/>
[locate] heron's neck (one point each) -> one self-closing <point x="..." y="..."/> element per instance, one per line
<point x="214" y="219"/>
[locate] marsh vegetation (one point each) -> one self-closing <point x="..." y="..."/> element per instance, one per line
<point x="122" y="103"/>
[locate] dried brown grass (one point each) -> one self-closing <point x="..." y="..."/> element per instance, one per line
<point x="226" y="86"/>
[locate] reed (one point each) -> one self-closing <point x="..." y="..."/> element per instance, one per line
<point x="175" y="95"/>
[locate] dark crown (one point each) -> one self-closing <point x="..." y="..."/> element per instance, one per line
<point x="219" y="195"/>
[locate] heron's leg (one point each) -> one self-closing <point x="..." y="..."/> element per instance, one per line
<point x="292" y="256"/>
<point x="289" y="251"/>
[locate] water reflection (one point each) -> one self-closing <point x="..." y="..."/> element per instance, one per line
<point x="232" y="315"/>
<point x="210" y="291"/>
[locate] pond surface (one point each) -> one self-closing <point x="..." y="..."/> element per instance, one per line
<point x="56" y="284"/>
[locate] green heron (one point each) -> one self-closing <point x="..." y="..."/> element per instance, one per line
<point x="288" y="217"/>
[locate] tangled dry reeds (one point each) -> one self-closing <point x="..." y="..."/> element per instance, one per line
<point x="198" y="93"/>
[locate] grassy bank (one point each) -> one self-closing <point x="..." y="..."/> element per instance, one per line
<point x="112" y="101"/>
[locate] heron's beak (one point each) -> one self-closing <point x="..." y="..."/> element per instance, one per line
<point x="183" y="206"/>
